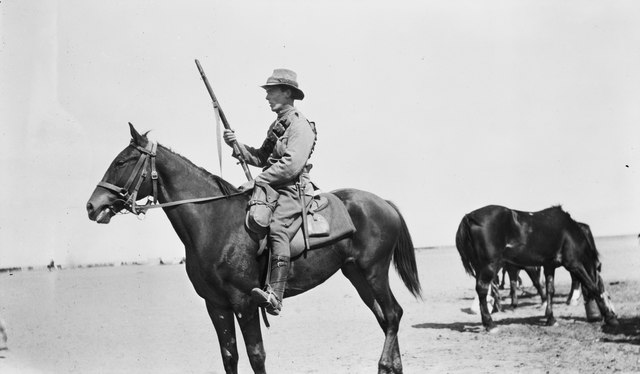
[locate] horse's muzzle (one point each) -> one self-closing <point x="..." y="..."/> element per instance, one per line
<point x="101" y="215"/>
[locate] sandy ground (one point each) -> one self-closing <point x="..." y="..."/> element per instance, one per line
<point x="148" y="319"/>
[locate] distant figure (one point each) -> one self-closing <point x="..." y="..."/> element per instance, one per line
<point x="3" y="336"/>
<point x="51" y="265"/>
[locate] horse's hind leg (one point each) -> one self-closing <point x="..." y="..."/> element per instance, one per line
<point x="484" y="280"/>
<point x="375" y="292"/>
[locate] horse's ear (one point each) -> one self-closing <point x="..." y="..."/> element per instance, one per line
<point x="137" y="138"/>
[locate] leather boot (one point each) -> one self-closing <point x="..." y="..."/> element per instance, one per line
<point x="271" y="297"/>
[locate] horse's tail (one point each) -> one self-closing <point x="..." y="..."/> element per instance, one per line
<point x="464" y="243"/>
<point x="404" y="258"/>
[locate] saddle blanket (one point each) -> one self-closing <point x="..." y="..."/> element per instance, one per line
<point x="340" y="226"/>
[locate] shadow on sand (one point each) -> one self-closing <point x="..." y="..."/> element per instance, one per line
<point x="525" y="294"/>
<point x="476" y="327"/>
<point x="627" y="332"/>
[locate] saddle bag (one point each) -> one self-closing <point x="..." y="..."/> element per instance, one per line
<point x="318" y="225"/>
<point x="261" y="206"/>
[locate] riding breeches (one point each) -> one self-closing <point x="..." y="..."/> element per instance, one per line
<point x="285" y="221"/>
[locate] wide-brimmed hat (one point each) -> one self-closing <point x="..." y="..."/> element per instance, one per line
<point x="285" y="77"/>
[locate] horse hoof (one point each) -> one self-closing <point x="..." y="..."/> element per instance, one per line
<point x="493" y="329"/>
<point x="551" y="322"/>
<point x="613" y="322"/>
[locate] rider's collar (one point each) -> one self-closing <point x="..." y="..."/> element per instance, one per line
<point x="286" y="109"/>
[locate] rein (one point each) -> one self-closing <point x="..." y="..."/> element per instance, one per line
<point x="148" y="154"/>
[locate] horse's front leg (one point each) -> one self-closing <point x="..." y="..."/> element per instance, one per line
<point x="249" y="321"/>
<point x="222" y="319"/>
<point x="549" y="273"/>
<point x="534" y="275"/>
<point x="595" y="289"/>
<point x="605" y="305"/>
<point x="576" y="291"/>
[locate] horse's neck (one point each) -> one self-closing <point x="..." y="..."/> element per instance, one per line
<point x="180" y="179"/>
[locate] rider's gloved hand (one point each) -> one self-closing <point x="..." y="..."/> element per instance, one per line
<point x="229" y="137"/>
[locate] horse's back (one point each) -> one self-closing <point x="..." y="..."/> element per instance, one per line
<point x="378" y="224"/>
<point x="363" y="204"/>
<point x="490" y="222"/>
<point x="525" y="238"/>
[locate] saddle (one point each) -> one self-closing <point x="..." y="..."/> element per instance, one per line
<point x="327" y="219"/>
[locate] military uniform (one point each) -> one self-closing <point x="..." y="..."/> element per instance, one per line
<point x="283" y="156"/>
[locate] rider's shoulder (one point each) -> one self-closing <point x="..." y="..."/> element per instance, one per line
<point x="296" y="115"/>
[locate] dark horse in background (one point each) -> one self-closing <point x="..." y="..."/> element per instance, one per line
<point x="491" y="236"/>
<point x="221" y="259"/>
<point x="534" y="274"/>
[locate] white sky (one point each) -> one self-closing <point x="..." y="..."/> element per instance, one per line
<point x="440" y="106"/>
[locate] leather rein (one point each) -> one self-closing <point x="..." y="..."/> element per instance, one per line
<point x="128" y="199"/>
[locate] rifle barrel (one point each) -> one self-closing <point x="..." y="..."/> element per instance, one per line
<point x="225" y="123"/>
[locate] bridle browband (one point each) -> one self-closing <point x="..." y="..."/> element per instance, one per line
<point x="129" y="199"/>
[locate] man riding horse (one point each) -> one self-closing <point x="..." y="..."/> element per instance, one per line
<point x="283" y="156"/>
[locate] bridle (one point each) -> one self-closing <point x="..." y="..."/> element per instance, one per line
<point x="128" y="198"/>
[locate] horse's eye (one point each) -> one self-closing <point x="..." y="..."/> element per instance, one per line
<point x="119" y="163"/>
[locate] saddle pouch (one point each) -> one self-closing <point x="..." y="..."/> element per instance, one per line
<point x="261" y="206"/>
<point x="318" y="225"/>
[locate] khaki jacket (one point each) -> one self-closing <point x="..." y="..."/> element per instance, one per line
<point x="286" y="150"/>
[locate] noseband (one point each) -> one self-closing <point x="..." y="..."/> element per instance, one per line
<point x="147" y="154"/>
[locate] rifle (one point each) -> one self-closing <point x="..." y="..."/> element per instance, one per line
<point x="216" y="104"/>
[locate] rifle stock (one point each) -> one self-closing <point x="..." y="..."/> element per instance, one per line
<point x="225" y="123"/>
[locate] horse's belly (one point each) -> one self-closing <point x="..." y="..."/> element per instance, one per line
<point x="306" y="273"/>
<point x="525" y="256"/>
<point x="520" y="255"/>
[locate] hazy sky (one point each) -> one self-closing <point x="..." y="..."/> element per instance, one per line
<point x="440" y="106"/>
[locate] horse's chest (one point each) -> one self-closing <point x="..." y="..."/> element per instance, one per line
<point x="206" y="286"/>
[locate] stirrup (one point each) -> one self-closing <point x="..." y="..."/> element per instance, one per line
<point x="268" y="300"/>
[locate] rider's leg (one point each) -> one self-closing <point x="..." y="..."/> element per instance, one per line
<point x="283" y="226"/>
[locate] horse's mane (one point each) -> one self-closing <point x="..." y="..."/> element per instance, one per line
<point x="226" y="187"/>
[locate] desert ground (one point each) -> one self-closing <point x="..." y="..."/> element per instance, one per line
<point x="148" y="319"/>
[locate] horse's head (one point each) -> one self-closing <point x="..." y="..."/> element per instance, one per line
<point x="124" y="181"/>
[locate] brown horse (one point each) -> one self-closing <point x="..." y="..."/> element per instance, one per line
<point x="221" y="259"/>
<point x="494" y="235"/>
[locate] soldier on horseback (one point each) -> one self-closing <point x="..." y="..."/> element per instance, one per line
<point x="283" y="156"/>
